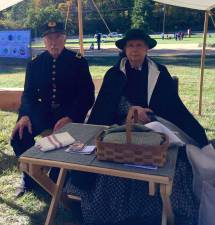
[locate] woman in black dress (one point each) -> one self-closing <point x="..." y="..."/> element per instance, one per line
<point x="137" y="81"/>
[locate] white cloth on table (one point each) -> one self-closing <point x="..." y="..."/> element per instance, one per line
<point x="54" y="141"/>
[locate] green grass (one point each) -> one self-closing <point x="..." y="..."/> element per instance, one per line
<point x="31" y="209"/>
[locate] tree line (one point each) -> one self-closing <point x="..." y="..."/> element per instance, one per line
<point x="118" y="14"/>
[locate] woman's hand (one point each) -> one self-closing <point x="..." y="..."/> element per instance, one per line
<point x="142" y="114"/>
<point x="62" y="122"/>
<point x="20" y="125"/>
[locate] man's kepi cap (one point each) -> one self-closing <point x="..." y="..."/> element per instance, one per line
<point x="53" y="27"/>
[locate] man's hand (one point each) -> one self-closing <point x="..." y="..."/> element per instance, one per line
<point x="20" y="125"/>
<point x="61" y="123"/>
<point x="142" y="114"/>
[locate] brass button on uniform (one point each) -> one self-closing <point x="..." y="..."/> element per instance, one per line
<point x="53" y="78"/>
<point x="54" y="90"/>
<point x="38" y="89"/>
<point x="53" y="72"/>
<point x="54" y="60"/>
<point x="53" y="66"/>
<point x="53" y="96"/>
<point x="39" y="100"/>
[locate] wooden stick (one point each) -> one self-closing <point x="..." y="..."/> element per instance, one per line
<point x="203" y="61"/>
<point x="80" y="26"/>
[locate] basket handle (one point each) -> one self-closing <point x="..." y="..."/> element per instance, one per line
<point x="131" y="113"/>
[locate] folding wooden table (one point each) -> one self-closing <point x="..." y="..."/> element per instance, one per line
<point x="35" y="162"/>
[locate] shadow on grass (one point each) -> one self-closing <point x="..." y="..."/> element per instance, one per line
<point x="7" y="162"/>
<point x="62" y="216"/>
<point x="102" y="61"/>
<point x="11" y="70"/>
<point x="13" y="61"/>
<point x="13" y="65"/>
<point x="183" y="60"/>
<point x="36" y="218"/>
<point x="189" y="61"/>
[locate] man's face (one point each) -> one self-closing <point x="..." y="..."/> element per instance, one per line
<point x="136" y="50"/>
<point x="54" y="43"/>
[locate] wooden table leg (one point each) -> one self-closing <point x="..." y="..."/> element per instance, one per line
<point x="40" y="176"/>
<point x="167" y="213"/>
<point x="38" y="173"/>
<point x="56" y="197"/>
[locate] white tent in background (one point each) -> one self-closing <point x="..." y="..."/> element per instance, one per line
<point x="4" y="4"/>
<point x="206" y="6"/>
<point x="192" y="4"/>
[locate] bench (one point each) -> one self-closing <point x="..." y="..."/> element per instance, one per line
<point x="10" y="98"/>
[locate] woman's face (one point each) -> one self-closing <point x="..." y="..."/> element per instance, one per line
<point x="136" y="51"/>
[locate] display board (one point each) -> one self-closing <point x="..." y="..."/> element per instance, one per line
<point x="15" y="44"/>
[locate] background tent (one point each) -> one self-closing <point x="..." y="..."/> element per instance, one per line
<point x="192" y="4"/>
<point x="205" y="5"/>
<point x="4" y="4"/>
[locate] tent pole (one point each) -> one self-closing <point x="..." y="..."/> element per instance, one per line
<point x="203" y="61"/>
<point x="211" y="15"/>
<point x="80" y="26"/>
<point x="69" y="3"/>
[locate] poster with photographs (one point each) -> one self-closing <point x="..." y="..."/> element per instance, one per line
<point x="15" y="44"/>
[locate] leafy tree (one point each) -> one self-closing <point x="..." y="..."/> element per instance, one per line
<point x="36" y="18"/>
<point x="120" y="15"/>
<point x="19" y="12"/>
<point x="141" y="14"/>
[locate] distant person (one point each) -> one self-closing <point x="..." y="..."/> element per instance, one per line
<point x="98" y="39"/>
<point x="176" y="36"/>
<point x="182" y="35"/>
<point x="189" y="32"/>
<point x="162" y="36"/>
<point x="179" y="36"/>
<point x="92" y="46"/>
<point x="58" y="90"/>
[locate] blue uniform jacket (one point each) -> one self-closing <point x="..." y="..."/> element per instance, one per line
<point x="64" y="83"/>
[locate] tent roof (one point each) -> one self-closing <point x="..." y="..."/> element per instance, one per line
<point x="193" y="4"/>
<point x="4" y="4"/>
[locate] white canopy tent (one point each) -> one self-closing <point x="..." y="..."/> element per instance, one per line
<point x="206" y="6"/>
<point x="4" y="4"/>
<point x="192" y="4"/>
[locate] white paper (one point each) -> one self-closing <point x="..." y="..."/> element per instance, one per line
<point x="159" y="127"/>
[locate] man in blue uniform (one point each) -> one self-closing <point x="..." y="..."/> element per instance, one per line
<point x="58" y="90"/>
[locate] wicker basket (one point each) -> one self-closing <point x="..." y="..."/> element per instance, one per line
<point x="129" y="152"/>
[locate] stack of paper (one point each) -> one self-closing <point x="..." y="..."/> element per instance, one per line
<point x="159" y="127"/>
